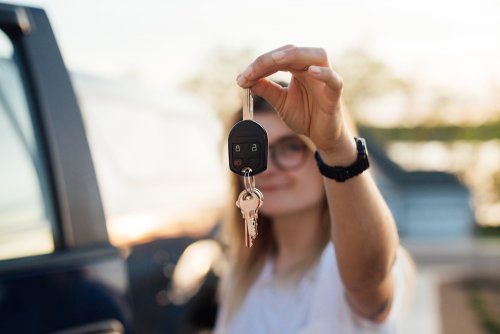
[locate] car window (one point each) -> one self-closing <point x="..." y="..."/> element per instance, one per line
<point x="25" y="213"/>
<point x="156" y="155"/>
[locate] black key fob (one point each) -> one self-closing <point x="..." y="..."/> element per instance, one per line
<point x="247" y="147"/>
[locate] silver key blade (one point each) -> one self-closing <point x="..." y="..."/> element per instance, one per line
<point x="252" y="228"/>
<point x="249" y="204"/>
<point x="247" y="105"/>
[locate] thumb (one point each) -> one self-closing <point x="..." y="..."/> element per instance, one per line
<point x="270" y="91"/>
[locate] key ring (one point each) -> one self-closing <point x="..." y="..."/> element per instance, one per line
<point x="248" y="180"/>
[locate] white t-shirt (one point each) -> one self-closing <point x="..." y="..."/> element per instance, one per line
<point x="316" y="304"/>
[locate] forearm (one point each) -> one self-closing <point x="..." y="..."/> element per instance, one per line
<point x="363" y="232"/>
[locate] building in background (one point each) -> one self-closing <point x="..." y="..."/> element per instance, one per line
<point x="425" y="204"/>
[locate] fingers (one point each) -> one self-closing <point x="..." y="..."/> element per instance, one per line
<point x="271" y="92"/>
<point x="261" y="67"/>
<point x="287" y="58"/>
<point x="298" y="60"/>
<point x="275" y="94"/>
<point x="331" y="78"/>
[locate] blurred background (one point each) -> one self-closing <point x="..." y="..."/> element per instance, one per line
<point x="156" y="79"/>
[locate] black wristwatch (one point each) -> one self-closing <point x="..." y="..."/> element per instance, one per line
<point x="341" y="174"/>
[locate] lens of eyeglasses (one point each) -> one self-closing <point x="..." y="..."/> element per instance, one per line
<point x="289" y="152"/>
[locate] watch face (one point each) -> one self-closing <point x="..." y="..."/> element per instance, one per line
<point x="361" y="145"/>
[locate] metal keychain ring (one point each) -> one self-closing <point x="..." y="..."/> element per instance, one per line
<point x="248" y="180"/>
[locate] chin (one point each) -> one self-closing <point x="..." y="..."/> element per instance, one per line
<point x="275" y="210"/>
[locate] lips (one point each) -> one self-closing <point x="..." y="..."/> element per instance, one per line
<point x="272" y="187"/>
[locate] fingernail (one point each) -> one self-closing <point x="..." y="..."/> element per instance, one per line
<point x="314" y="69"/>
<point x="245" y="76"/>
<point x="241" y="79"/>
<point x="278" y="56"/>
<point x="247" y="72"/>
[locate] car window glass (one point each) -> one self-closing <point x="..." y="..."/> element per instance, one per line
<point x="25" y="223"/>
<point x="156" y="155"/>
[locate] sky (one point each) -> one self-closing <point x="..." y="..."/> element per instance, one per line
<point x="452" y="45"/>
<point x="446" y="43"/>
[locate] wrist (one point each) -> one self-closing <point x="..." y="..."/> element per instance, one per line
<point x="341" y="153"/>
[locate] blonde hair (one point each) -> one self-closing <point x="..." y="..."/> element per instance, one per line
<point x="245" y="264"/>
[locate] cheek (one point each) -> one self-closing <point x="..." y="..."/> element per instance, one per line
<point x="310" y="183"/>
<point x="306" y="190"/>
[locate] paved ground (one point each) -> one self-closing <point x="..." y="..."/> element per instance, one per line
<point x="457" y="315"/>
<point x="440" y="305"/>
<point x="423" y="314"/>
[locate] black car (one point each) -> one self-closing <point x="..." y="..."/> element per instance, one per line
<point x="58" y="271"/>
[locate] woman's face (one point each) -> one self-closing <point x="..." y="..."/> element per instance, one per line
<point x="295" y="186"/>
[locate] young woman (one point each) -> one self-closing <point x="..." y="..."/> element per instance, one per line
<point x="327" y="257"/>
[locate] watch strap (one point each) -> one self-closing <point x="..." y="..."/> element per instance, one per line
<point x="342" y="174"/>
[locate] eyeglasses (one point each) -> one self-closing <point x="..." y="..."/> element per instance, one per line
<point x="289" y="152"/>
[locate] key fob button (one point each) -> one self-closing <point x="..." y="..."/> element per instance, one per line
<point x="254" y="163"/>
<point x="237" y="163"/>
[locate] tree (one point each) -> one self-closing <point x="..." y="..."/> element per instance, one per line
<point x="215" y="81"/>
<point x="368" y="80"/>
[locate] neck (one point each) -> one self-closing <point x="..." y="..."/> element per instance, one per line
<point x="297" y="237"/>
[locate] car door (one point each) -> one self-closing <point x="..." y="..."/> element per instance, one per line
<point x="58" y="271"/>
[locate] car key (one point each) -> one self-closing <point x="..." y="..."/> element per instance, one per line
<point x="247" y="147"/>
<point x="247" y="142"/>
<point x="249" y="204"/>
